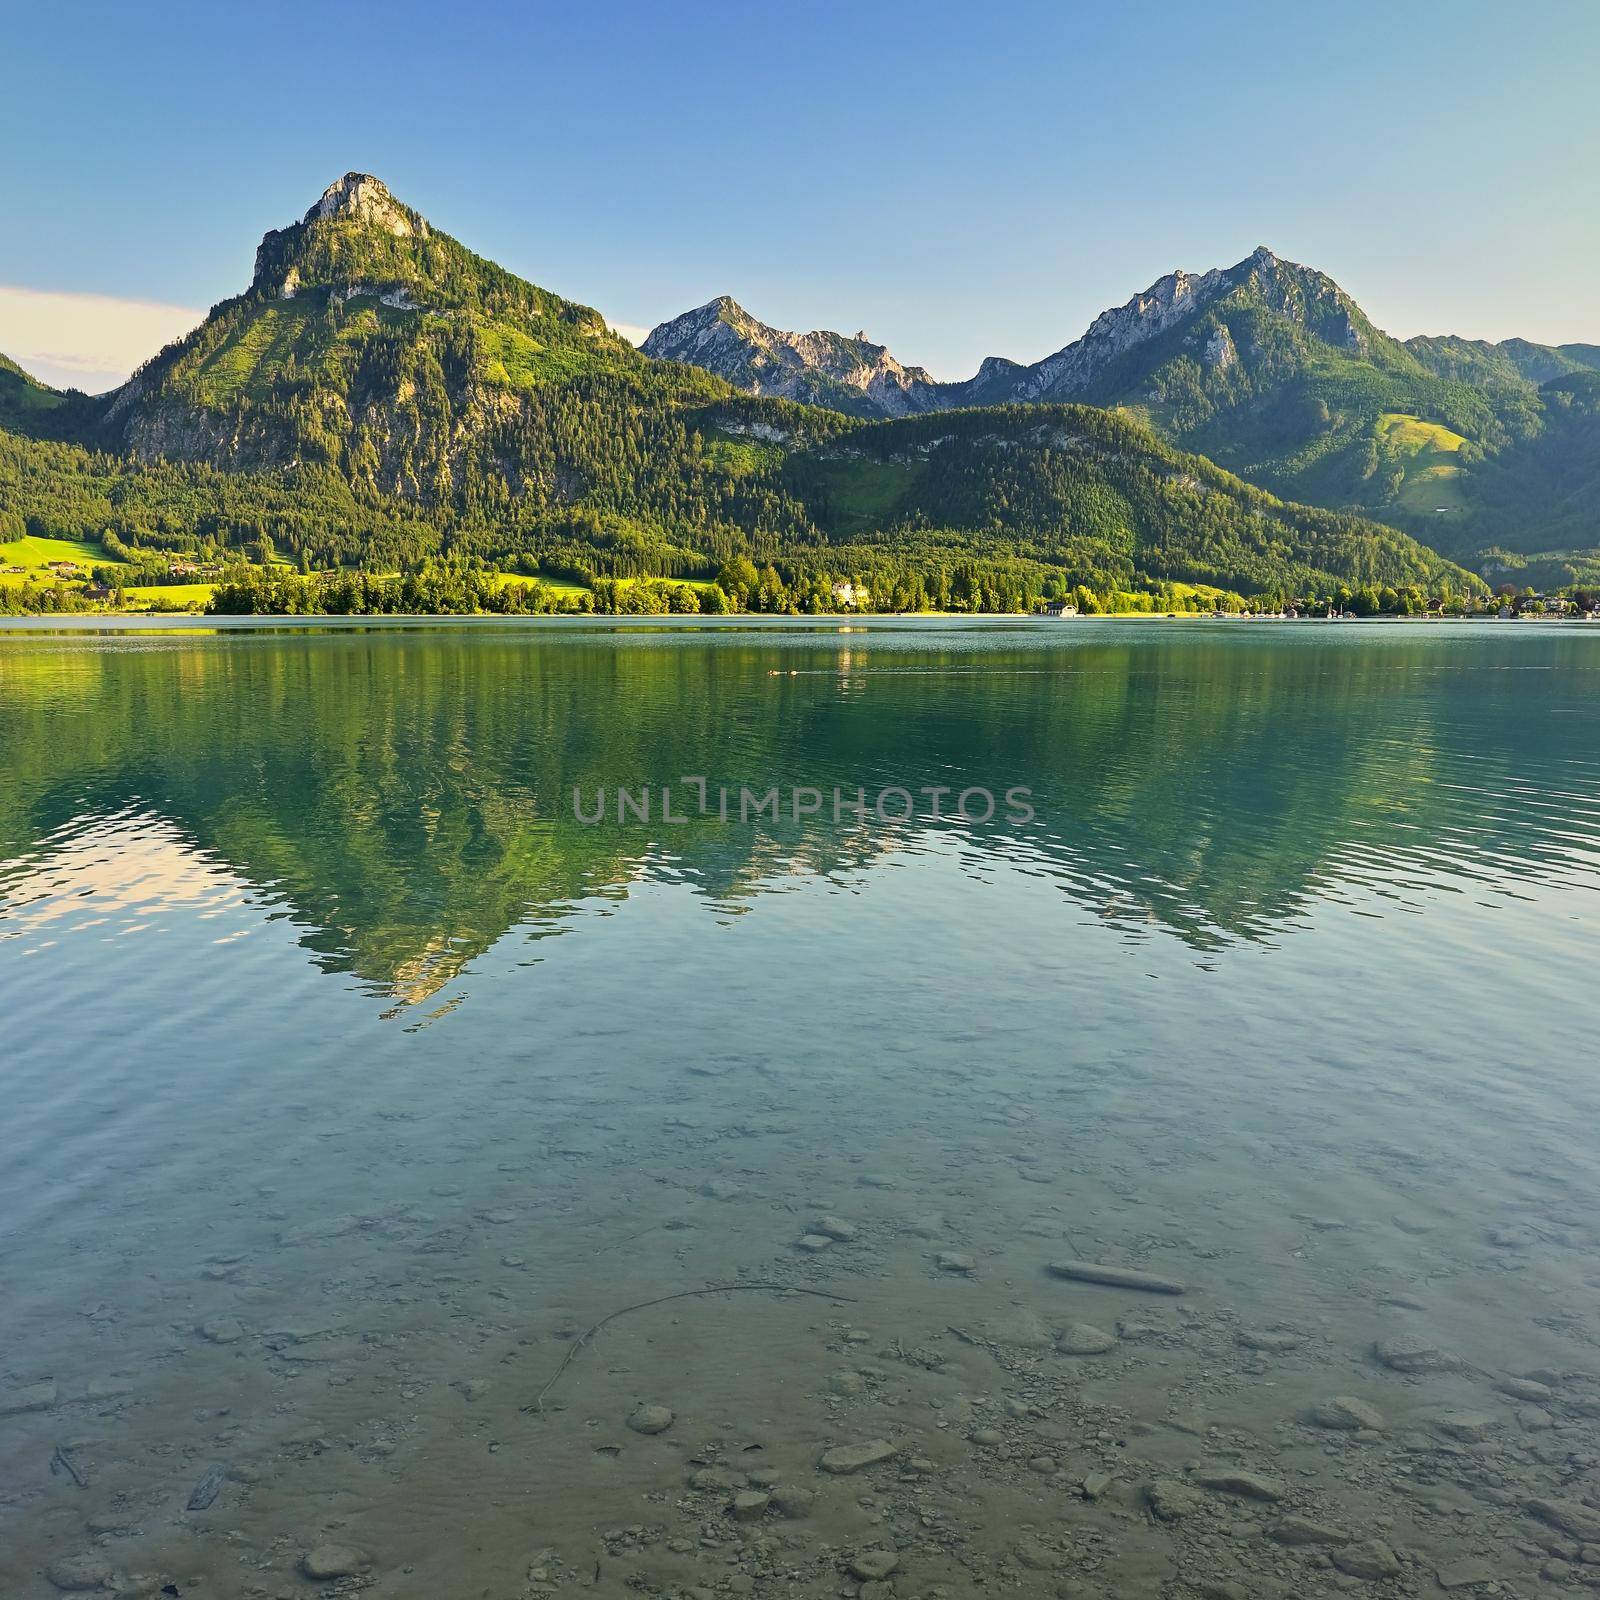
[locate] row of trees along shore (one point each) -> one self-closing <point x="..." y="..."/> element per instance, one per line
<point x="444" y="588"/>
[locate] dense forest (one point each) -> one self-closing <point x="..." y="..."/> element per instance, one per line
<point x="383" y="406"/>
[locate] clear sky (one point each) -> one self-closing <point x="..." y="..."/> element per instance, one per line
<point x="957" y="180"/>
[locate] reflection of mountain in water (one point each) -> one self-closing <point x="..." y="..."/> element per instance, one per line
<point x="406" y="795"/>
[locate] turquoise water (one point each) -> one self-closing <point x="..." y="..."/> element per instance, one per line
<point x="351" y="1079"/>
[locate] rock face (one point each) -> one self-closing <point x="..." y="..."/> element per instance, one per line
<point x="360" y="197"/>
<point x="1190" y="312"/>
<point x="826" y="369"/>
<point x="1191" y="308"/>
<point x="357" y="197"/>
<point x="1113" y="333"/>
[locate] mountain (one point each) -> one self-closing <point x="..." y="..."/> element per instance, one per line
<point x="1510" y="361"/>
<point x="864" y="379"/>
<point x="1194" y="315"/>
<point x="23" y="399"/>
<point x="822" y="369"/>
<point x="1273" y="370"/>
<point x="372" y="342"/>
<point x="380" y="397"/>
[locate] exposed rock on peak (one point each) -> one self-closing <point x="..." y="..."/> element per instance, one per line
<point x="1113" y="333"/>
<point x="1181" y="315"/>
<point x="821" y="368"/>
<point x="1202" y="318"/>
<point x="359" y="197"/>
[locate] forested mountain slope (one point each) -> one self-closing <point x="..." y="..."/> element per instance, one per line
<point x="381" y="395"/>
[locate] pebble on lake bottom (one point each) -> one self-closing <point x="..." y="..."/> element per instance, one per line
<point x="324" y="1562"/>
<point x="651" y="1419"/>
<point x="872" y="1566"/>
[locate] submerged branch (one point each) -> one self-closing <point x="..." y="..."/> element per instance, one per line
<point x="536" y="1405"/>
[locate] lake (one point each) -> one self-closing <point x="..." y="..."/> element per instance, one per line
<point x="377" y="1124"/>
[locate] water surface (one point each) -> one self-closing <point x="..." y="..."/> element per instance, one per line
<point x="351" y="1080"/>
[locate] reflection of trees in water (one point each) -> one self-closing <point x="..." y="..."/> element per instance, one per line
<point x="407" y="797"/>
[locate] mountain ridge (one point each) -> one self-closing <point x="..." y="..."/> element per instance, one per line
<point x="381" y="394"/>
<point x="853" y="375"/>
<point x="1273" y="370"/>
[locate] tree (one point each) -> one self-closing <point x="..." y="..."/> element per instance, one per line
<point x="737" y="579"/>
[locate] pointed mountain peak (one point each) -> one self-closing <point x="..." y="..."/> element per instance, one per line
<point x="356" y="204"/>
<point x="819" y="368"/>
<point x="359" y="197"/>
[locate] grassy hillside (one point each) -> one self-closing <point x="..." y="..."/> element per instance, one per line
<point x="23" y="399"/>
<point x="30" y="560"/>
<point x="1425" y="456"/>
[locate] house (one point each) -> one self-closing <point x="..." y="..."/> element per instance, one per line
<point x="847" y="593"/>
<point x="183" y="569"/>
<point x="66" y="569"/>
<point x="1058" y="608"/>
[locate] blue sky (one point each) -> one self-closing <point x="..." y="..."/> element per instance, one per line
<point x="958" y="181"/>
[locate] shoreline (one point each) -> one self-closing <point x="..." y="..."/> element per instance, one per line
<point x="185" y="622"/>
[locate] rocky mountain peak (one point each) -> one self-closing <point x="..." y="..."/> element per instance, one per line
<point x="1113" y="333"/>
<point x="289" y="256"/>
<point x="359" y="197"/>
<point x="819" y="368"/>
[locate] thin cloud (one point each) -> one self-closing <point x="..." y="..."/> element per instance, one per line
<point x="85" y="341"/>
<point x="630" y="331"/>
